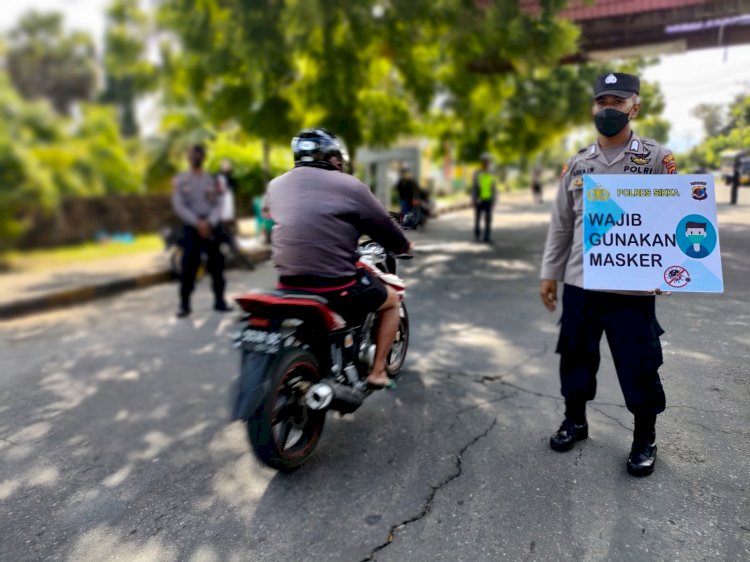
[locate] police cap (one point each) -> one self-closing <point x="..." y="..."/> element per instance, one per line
<point x="617" y="84"/>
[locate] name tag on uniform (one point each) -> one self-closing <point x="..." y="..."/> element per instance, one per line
<point x="643" y="232"/>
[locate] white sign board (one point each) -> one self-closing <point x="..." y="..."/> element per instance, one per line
<point x="643" y="232"/>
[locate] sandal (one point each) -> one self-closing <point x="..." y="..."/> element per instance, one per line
<point x="390" y="385"/>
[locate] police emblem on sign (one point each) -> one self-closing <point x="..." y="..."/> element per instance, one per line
<point x="699" y="191"/>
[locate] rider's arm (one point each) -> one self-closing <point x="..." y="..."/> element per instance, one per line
<point x="376" y="223"/>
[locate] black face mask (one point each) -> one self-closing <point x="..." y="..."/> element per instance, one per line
<point x="609" y="121"/>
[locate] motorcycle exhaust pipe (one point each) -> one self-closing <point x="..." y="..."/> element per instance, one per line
<point x="335" y="396"/>
<point x="319" y="396"/>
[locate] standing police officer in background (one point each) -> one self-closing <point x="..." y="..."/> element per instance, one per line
<point x="628" y="319"/>
<point x="197" y="200"/>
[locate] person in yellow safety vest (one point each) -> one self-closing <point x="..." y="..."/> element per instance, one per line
<point x="483" y="193"/>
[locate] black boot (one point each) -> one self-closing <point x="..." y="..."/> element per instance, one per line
<point x="184" y="310"/>
<point x="568" y="434"/>
<point x="642" y="457"/>
<point x="574" y="427"/>
<point x="222" y="306"/>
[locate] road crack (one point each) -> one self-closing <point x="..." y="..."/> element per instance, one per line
<point x="606" y="415"/>
<point x="484" y="403"/>
<point x="483" y="378"/>
<point x="716" y="429"/>
<point x="9" y="441"/>
<point x="430" y="498"/>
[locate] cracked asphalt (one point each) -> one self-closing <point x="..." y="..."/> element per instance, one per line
<point x="115" y="444"/>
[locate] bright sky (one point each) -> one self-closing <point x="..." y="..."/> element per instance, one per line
<point x="707" y="76"/>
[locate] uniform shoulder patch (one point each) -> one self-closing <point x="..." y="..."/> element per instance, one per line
<point x="669" y="163"/>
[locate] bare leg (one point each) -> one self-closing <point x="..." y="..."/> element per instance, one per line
<point x="387" y="328"/>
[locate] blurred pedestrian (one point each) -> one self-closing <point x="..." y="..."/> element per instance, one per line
<point x="483" y="194"/>
<point x="536" y="182"/>
<point x="628" y="319"/>
<point x="228" y="223"/>
<point x="407" y="190"/>
<point x="197" y="198"/>
<point x="263" y="220"/>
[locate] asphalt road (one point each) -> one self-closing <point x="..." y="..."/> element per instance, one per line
<point x="115" y="444"/>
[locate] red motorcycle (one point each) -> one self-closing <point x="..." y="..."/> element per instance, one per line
<point x="301" y="359"/>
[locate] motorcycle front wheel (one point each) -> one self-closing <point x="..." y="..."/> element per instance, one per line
<point x="284" y="432"/>
<point x="397" y="355"/>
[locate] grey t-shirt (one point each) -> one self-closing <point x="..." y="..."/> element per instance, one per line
<point x="319" y="216"/>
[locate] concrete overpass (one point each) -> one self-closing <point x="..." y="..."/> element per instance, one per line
<point x="621" y="28"/>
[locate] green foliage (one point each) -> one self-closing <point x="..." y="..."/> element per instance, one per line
<point x="44" y="158"/>
<point x="234" y="62"/>
<point x="654" y="127"/>
<point x="24" y="187"/>
<point x="712" y="115"/>
<point x="107" y="166"/>
<point x="46" y="62"/>
<point x="242" y="76"/>
<point x="247" y="161"/>
<point x="180" y="128"/>
<point x="735" y="135"/>
<point x="128" y="73"/>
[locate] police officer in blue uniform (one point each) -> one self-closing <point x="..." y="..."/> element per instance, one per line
<point x="628" y="319"/>
<point x="197" y="200"/>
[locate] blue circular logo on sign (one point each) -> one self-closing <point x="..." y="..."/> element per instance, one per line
<point x="696" y="236"/>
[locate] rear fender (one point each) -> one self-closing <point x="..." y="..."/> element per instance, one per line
<point x="251" y="386"/>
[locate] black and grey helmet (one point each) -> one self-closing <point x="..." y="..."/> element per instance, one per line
<point x="316" y="147"/>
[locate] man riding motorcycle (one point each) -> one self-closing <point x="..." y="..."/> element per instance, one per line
<point x="320" y="211"/>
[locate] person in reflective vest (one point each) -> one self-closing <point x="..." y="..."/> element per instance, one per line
<point x="483" y="192"/>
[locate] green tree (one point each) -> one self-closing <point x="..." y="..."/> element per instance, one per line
<point x="46" y="62"/>
<point x="235" y="63"/>
<point x="499" y="83"/>
<point x="733" y="136"/>
<point x="25" y="184"/>
<point x="348" y="78"/>
<point x="275" y="66"/>
<point x="712" y="116"/>
<point x="128" y="73"/>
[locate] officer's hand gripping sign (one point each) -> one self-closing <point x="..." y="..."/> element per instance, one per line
<point x="643" y="232"/>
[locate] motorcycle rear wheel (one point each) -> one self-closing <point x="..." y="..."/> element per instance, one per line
<point x="397" y="355"/>
<point x="284" y="432"/>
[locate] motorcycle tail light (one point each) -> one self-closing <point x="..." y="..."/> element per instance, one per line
<point x="259" y="322"/>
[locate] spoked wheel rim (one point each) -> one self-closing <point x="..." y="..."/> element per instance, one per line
<point x="294" y="427"/>
<point x="397" y="355"/>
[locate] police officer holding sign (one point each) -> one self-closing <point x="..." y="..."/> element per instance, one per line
<point x="628" y="319"/>
<point x="197" y="200"/>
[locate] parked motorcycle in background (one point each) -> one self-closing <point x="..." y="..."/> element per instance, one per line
<point x="300" y="359"/>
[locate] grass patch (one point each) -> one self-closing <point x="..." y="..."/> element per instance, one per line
<point x="36" y="260"/>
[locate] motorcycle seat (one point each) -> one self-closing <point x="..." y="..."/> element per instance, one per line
<point x="284" y="299"/>
<point x="292" y="294"/>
